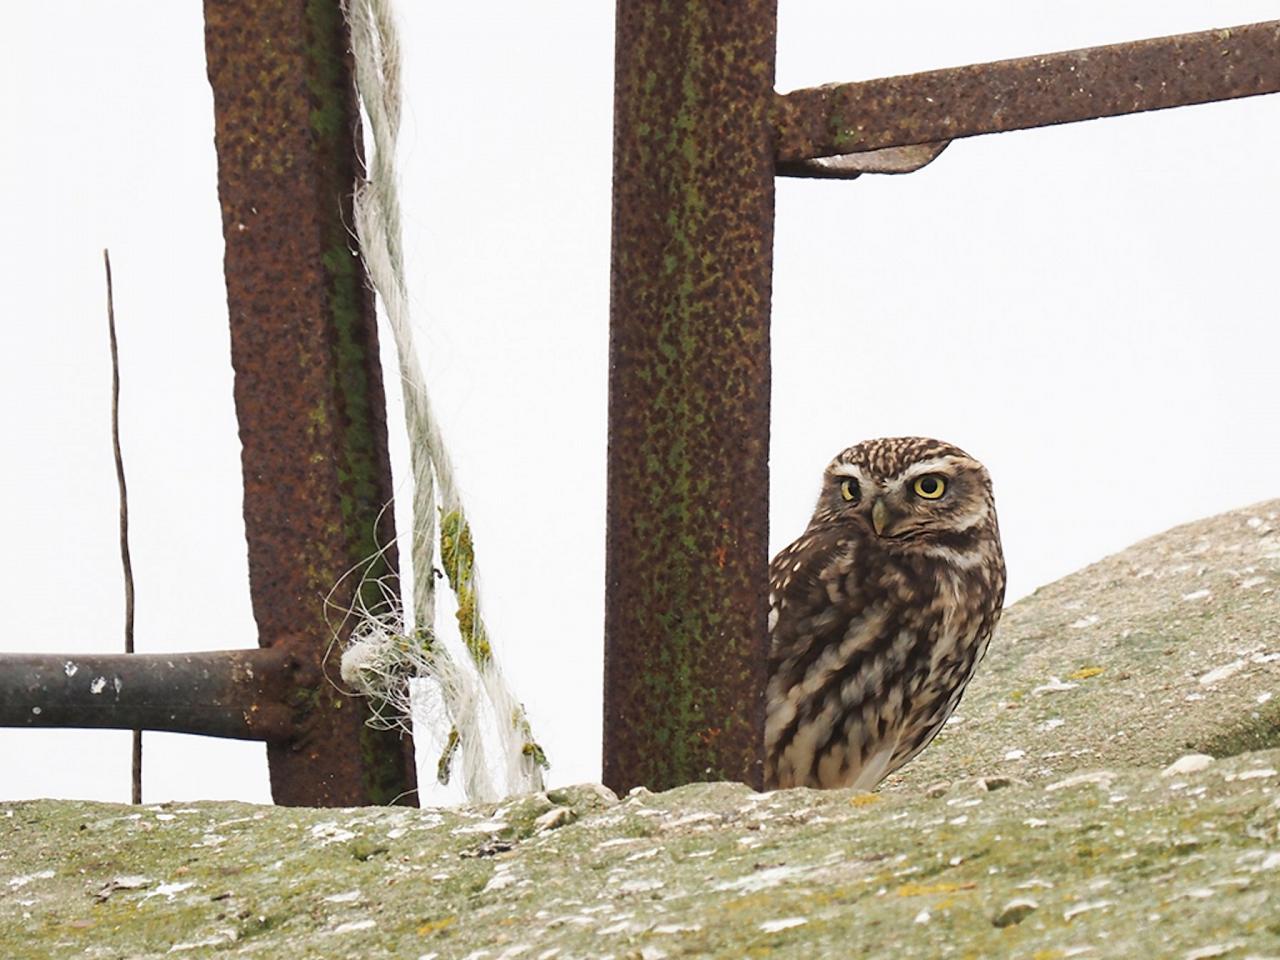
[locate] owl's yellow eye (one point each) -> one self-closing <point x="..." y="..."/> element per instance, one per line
<point x="849" y="489"/>
<point x="930" y="486"/>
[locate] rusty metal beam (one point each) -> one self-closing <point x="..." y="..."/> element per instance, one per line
<point x="229" y="693"/>
<point x="1028" y="92"/>
<point x="308" y="386"/>
<point x="686" y="550"/>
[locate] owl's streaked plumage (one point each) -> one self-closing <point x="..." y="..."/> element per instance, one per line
<point x="880" y="612"/>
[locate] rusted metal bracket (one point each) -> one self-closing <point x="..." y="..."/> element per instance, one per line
<point x="942" y="105"/>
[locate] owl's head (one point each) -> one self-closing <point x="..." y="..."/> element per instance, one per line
<point x="908" y="492"/>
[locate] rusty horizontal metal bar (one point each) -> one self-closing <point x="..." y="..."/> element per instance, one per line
<point x="242" y="694"/>
<point x="1027" y="92"/>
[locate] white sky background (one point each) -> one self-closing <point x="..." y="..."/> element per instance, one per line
<point x="1089" y="309"/>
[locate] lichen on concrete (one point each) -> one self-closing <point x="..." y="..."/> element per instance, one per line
<point x="1169" y="647"/>
<point x="1115" y="862"/>
<point x="1013" y="837"/>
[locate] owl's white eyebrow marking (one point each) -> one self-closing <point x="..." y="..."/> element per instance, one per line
<point x="934" y="465"/>
<point x="846" y="470"/>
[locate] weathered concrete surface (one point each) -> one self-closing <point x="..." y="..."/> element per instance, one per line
<point x="1168" y="647"/>
<point x="1080" y="847"/>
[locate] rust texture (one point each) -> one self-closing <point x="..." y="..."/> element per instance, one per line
<point x="686" y="561"/>
<point x="308" y="388"/>
<point x="1029" y="92"/>
<point x="228" y="693"/>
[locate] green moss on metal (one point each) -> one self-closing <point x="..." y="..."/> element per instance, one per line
<point x="327" y="79"/>
<point x="360" y="423"/>
<point x="351" y="317"/>
<point x="692" y="224"/>
<point x="671" y="680"/>
<point x="843" y="135"/>
<point x="685" y="505"/>
<point x="359" y="470"/>
<point x="383" y="765"/>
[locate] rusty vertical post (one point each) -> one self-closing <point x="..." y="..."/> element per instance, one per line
<point x="687" y="559"/>
<point x="308" y="387"/>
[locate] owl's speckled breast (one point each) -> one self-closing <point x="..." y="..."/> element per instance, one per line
<point x="873" y="638"/>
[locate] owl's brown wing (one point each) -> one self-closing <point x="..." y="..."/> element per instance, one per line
<point x="812" y="591"/>
<point x="819" y="643"/>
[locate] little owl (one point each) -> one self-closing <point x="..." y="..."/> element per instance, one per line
<point x="879" y="613"/>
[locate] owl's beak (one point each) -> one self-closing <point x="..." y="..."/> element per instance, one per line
<point x="879" y="516"/>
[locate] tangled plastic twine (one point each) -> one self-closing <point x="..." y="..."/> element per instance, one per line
<point x="393" y="657"/>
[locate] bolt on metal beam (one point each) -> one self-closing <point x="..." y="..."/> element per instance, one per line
<point x="686" y="551"/>
<point x="1037" y="91"/>
<point x="229" y="693"/>
<point x="308" y="386"/>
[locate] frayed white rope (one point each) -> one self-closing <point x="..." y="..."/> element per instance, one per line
<point x="388" y="651"/>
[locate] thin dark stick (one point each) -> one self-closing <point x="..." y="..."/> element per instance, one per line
<point x="124" y="514"/>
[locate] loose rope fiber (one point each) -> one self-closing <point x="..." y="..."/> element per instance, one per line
<point x="392" y="657"/>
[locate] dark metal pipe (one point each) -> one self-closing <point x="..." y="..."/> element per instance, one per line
<point x="1028" y="92"/>
<point x="686" y="551"/>
<point x="227" y="693"/>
